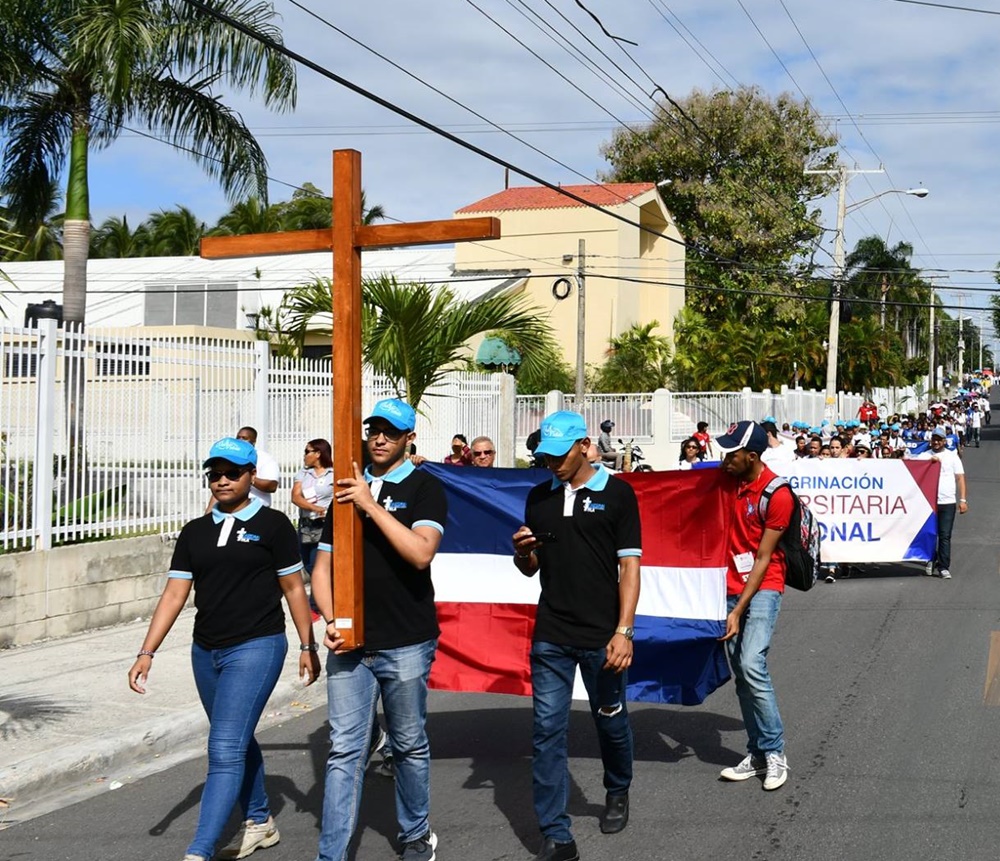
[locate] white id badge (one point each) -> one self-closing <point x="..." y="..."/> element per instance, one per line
<point x="309" y="493"/>
<point x="744" y="562"/>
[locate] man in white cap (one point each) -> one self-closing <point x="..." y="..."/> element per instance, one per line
<point x="582" y="535"/>
<point x="755" y="582"/>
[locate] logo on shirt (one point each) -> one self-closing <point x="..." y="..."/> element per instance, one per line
<point x="246" y="537"/>
<point x="751" y="510"/>
<point x="390" y="504"/>
<point x="589" y="507"/>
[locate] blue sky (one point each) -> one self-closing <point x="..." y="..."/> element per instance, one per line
<point x="913" y="87"/>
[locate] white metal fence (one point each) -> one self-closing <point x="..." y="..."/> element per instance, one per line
<point x="151" y="407"/>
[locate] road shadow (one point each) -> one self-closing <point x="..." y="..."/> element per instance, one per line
<point x="497" y="744"/>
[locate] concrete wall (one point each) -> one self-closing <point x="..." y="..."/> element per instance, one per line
<point x="70" y="589"/>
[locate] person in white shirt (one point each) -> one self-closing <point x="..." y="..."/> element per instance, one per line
<point x="265" y="482"/>
<point x="777" y="449"/>
<point x="952" y="478"/>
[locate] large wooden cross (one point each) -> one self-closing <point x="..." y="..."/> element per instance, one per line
<point x="346" y="238"/>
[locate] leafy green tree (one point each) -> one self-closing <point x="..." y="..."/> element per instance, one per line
<point x="74" y="74"/>
<point x="737" y="188"/>
<point x="415" y="333"/>
<point x="637" y="361"/>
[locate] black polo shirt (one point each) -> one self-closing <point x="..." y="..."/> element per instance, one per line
<point x="579" y="604"/>
<point x="399" y="598"/>
<point x="235" y="562"/>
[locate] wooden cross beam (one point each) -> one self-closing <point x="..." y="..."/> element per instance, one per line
<point x="347" y="237"/>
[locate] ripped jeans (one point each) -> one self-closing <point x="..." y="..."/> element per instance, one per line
<point x="553" y="670"/>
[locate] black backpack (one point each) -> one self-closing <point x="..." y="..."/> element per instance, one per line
<point x="800" y="541"/>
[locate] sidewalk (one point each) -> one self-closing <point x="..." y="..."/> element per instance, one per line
<point x="70" y="726"/>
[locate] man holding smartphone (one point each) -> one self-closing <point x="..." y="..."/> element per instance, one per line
<point x="582" y="535"/>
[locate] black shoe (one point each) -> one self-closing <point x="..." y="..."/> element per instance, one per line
<point x="615" y="815"/>
<point x="552" y="851"/>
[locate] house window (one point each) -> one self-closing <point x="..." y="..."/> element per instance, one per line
<point x="192" y="303"/>
<point x="21" y="365"/>
<point x="122" y="360"/>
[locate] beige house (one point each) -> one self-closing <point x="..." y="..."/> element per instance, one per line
<point x="634" y="274"/>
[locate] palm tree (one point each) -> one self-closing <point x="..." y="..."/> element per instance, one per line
<point x="42" y="238"/>
<point x="248" y="216"/>
<point x="174" y="232"/>
<point x="415" y="333"/>
<point x="638" y="361"/>
<point x="310" y="209"/>
<point x="114" y="238"/>
<point x="74" y="74"/>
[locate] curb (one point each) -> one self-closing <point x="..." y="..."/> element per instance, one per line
<point x="47" y="781"/>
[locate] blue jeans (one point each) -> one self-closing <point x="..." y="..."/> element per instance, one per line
<point x="553" y="669"/>
<point x="234" y="684"/>
<point x="748" y="657"/>
<point x="945" y="525"/>
<point x="354" y="682"/>
<point x="308" y="554"/>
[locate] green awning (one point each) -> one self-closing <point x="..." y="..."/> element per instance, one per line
<point x="493" y="351"/>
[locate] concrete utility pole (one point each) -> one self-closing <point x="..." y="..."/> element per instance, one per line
<point x="581" y="324"/>
<point x="833" y="338"/>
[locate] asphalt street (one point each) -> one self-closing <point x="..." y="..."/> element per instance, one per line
<point x="881" y="680"/>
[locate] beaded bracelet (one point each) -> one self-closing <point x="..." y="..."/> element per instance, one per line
<point x="146" y="653"/>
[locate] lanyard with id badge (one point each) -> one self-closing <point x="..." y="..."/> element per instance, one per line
<point x="744" y="564"/>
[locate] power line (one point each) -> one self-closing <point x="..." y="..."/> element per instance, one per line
<point x="947" y="6"/>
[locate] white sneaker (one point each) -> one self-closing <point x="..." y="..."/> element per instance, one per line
<point x="190" y="857"/>
<point x="945" y="574"/>
<point x="749" y="767"/>
<point x="777" y="770"/>
<point x="251" y="837"/>
<point x="929" y="569"/>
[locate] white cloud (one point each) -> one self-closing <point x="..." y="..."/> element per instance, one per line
<point x="882" y="57"/>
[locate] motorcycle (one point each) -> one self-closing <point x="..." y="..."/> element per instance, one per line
<point x="633" y="457"/>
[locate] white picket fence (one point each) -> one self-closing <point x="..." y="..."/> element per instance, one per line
<point x="152" y="406"/>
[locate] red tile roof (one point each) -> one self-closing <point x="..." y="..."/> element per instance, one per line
<point x="540" y="197"/>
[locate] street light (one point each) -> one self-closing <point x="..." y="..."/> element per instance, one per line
<point x="833" y="339"/>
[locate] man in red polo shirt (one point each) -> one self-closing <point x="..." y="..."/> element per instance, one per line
<point x="755" y="582"/>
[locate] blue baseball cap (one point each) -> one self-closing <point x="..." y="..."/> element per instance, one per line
<point x="939" y="432"/>
<point x="398" y="413"/>
<point x="559" y="431"/>
<point x="770" y="419"/>
<point x="744" y="434"/>
<point x="237" y="451"/>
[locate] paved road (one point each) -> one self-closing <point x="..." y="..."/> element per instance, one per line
<point x="881" y="681"/>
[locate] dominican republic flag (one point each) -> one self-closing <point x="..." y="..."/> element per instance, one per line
<point x="486" y="607"/>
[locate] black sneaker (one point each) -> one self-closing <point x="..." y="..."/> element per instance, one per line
<point x="614" y="818"/>
<point x="421" y="849"/>
<point x="552" y="851"/>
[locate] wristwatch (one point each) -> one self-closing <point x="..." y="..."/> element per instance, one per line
<point x="627" y="631"/>
<point x="308" y="647"/>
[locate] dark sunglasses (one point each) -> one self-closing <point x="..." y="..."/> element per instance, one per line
<point x="310" y="451"/>
<point x="232" y="474"/>
<point x="482" y="453"/>
<point x="390" y="433"/>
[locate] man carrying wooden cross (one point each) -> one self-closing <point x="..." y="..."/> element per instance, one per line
<point x="403" y="512"/>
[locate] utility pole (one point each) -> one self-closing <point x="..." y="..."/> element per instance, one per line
<point x="932" y="370"/>
<point x="843" y="174"/>
<point x="961" y="341"/>
<point x="581" y="324"/>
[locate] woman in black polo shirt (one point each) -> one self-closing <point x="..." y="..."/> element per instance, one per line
<point x="241" y="557"/>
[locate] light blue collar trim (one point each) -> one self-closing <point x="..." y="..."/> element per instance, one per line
<point x="243" y="514"/>
<point x="598" y="481"/>
<point x="394" y="476"/>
